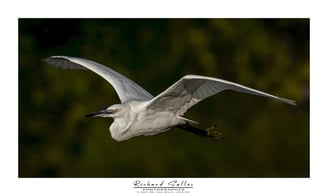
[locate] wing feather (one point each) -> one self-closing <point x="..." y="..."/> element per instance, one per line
<point x="191" y="89"/>
<point x="126" y="89"/>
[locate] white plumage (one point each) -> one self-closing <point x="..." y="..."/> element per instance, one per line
<point x="142" y="114"/>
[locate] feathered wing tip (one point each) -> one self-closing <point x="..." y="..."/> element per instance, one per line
<point x="291" y="102"/>
<point x="60" y="62"/>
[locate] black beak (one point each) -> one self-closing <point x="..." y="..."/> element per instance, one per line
<point x="94" y="114"/>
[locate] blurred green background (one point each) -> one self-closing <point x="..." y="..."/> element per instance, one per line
<point x="263" y="137"/>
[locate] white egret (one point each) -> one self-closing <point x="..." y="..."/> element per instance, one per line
<point x="142" y="114"/>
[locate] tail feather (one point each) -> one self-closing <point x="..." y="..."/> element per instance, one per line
<point x="188" y="120"/>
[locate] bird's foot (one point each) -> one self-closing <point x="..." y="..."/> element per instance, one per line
<point x="209" y="132"/>
<point x="212" y="132"/>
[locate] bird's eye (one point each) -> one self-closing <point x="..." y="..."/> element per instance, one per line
<point x="115" y="110"/>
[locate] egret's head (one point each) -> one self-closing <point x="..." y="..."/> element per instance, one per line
<point x="112" y="111"/>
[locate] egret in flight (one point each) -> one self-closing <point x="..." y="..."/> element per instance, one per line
<point x="139" y="113"/>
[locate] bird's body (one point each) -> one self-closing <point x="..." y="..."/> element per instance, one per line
<point x="142" y="114"/>
<point x="142" y="122"/>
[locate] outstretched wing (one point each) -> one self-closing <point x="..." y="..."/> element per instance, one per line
<point x="191" y="89"/>
<point x="126" y="89"/>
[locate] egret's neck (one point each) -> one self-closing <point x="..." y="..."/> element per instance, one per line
<point x="118" y="128"/>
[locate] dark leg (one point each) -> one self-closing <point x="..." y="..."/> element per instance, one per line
<point x="209" y="132"/>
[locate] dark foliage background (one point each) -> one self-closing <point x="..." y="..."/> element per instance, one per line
<point x="263" y="137"/>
